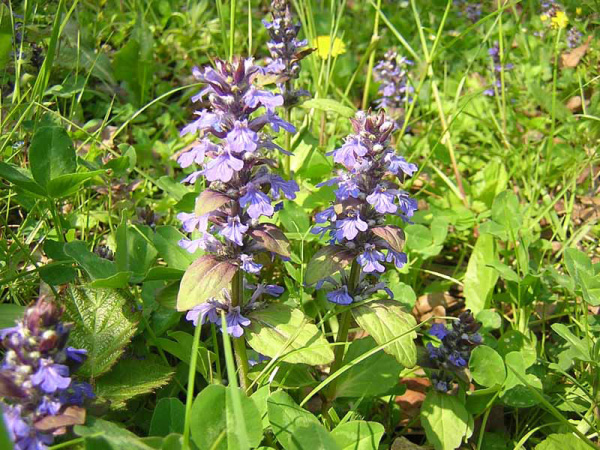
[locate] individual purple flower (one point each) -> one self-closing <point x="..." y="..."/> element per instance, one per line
<point x="78" y="355"/>
<point x="439" y="330"/>
<point x="347" y="187"/>
<point x="223" y="167"/>
<point x="370" y="259"/>
<point x="256" y="97"/>
<point x="192" y="177"/>
<point x="273" y="290"/>
<point x="325" y="216"/>
<point x="260" y="203"/>
<point x="407" y="204"/>
<point x="347" y="153"/>
<point x="277" y="123"/>
<point x="350" y="227"/>
<point x="51" y="377"/>
<point x="382" y="200"/>
<point x="287" y="188"/>
<point x="193" y="222"/>
<point x="340" y="296"/>
<point x="457" y="359"/>
<point x="77" y="393"/>
<point x="203" y="313"/>
<point x="242" y="139"/>
<point x="236" y="322"/>
<point x="234" y="230"/>
<point x="204" y="122"/>
<point x="398" y="258"/>
<point x="248" y="264"/>
<point x="49" y="405"/>
<point x="398" y="164"/>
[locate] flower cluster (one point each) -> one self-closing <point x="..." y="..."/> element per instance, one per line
<point x="35" y="376"/>
<point x="286" y="50"/>
<point x="553" y="14"/>
<point x="574" y="37"/>
<point x="232" y="150"/>
<point x="395" y="90"/>
<point x="454" y="352"/>
<point x="367" y="193"/>
<point x="471" y="10"/>
<point x="210" y="311"/>
<point x="498" y="67"/>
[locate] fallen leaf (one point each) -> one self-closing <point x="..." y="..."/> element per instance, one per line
<point x="73" y="415"/>
<point x="572" y="58"/>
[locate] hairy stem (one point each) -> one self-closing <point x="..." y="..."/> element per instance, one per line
<point x="239" y="344"/>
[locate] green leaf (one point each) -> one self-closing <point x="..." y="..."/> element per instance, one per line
<point x="294" y="218"/>
<point x="515" y="393"/>
<point x="487" y="367"/>
<point x="394" y="236"/>
<point x="590" y="288"/>
<point x="480" y="280"/>
<point x="10" y="314"/>
<point x="165" y="240"/>
<point x="294" y="427"/>
<point x="103" y="325"/>
<point x="580" y="267"/>
<point x="515" y="341"/>
<point x="358" y="435"/>
<point x="168" y="417"/>
<point x="577" y="345"/>
<point x="180" y="348"/>
<point x="385" y="320"/>
<point x="562" y="441"/>
<point x="271" y="238"/>
<point x="374" y="376"/>
<point x="327" y="261"/>
<point x="328" y="105"/>
<point x="51" y="154"/>
<point x="204" y="279"/>
<point x="490" y="320"/>
<point x="130" y="378"/>
<point x="278" y="329"/>
<point x="418" y="237"/>
<point x="135" y="253"/>
<point x="213" y="420"/>
<point x="210" y="200"/>
<point x="96" y="267"/>
<point x="5" y="441"/>
<point x="577" y="262"/>
<point x="20" y="177"/>
<point x="507" y="212"/>
<point x="104" y="435"/>
<point x="505" y="271"/>
<point x="68" y="184"/>
<point x="445" y="420"/>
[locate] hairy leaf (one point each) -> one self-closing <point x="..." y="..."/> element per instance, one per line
<point x="104" y="323"/>
<point x="278" y="329"/>
<point x="327" y="261"/>
<point x="385" y="320"/>
<point x="202" y="280"/>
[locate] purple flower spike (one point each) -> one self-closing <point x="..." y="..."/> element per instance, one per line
<point x="51" y="377"/>
<point x="248" y="264"/>
<point x="347" y="154"/>
<point x="260" y="203"/>
<point x="236" y="322"/>
<point x="203" y="313"/>
<point x="382" y="200"/>
<point x="242" y="139"/>
<point x="234" y="230"/>
<point x="370" y="259"/>
<point x="340" y="296"/>
<point x="350" y="227"/>
<point x="223" y="167"/>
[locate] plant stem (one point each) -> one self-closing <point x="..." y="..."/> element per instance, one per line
<point x="288" y="143"/>
<point x="342" y="336"/>
<point x="239" y="344"/>
<point x="190" y="389"/>
<point x="374" y="38"/>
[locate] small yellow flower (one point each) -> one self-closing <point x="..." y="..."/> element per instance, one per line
<point x="560" y="20"/>
<point x="578" y="11"/>
<point x="544" y="17"/>
<point x="323" y="44"/>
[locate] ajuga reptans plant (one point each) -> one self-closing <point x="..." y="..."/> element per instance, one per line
<point x="497" y="67"/>
<point x="395" y="90"/>
<point x="36" y="380"/>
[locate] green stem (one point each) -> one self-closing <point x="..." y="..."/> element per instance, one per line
<point x="374" y="38"/>
<point x="239" y="344"/>
<point x="288" y="143"/>
<point x="190" y="389"/>
<point x="342" y="336"/>
<point x="57" y="223"/>
<point x="231" y="28"/>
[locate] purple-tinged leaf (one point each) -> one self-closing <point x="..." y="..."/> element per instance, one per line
<point x="210" y="200"/>
<point x="203" y="280"/>
<point x="326" y="262"/>
<point x="394" y="236"/>
<point x="271" y="238"/>
<point x="73" y="415"/>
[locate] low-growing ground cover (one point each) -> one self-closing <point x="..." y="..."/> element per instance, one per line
<point x="299" y="224"/>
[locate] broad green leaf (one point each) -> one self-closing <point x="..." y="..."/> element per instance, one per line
<point x="104" y="435"/>
<point x="515" y="393"/>
<point x="577" y="261"/>
<point x="165" y="240"/>
<point x="260" y="398"/>
<point x="294" y="427"/>
<point x="57" y="274"/>
<point x="581" y="269"/>
<point x="20" y="177"/>
<point x="51" y="154"/>
<point x="204" y="279"/>
<point x="104" y="323"/>
<point x="271" y="238"/>
<point x="505" y="271"/>
<point x="96" y="267"/>
<point x="328" y="105"/>
<point x="385" y="320"/>
<point x="358" y="435"/>
<point x="278" y="329"/>
<point x="294" y="218"/>
<point x="507" y="212"/>
<point x="577" y="345"/>
<point x="562" y="441"/>
<point x="490" y="320"/>
<point x="490" y="181"/>
<point x="327" y="261"/>
<point x="10" y="314"/>
<point x="173" y="441"/>
<point x="180" y="348"/>
<point x="590" y="287"/>
<point x="374" y="376"/>
<point x="445" y="420"/>
<point x="213" y="420"/>
<point x="168" y="417"/>
<point x="135" y="252"/>
<point x="418" y="237"/>
<point x="515" y="341"/>
<point x="132" y="377"/>
<point x="68" y="184"/>
<point x="480" y="280"/>
<point x="486" y="366"/>
<point x="210" y="200"/>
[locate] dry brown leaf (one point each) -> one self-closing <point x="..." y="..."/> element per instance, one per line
<point x="572" y="58"/>
<point x="575" y="103"/>
<point x="73" y="415"/>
